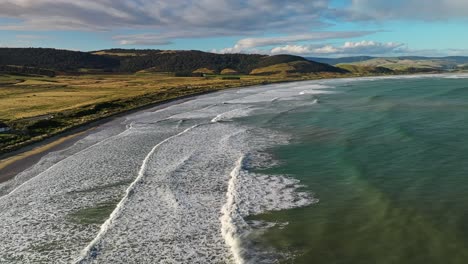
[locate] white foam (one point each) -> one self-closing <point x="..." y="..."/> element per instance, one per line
<point x="313" y="92"/>
<point x="10" y="187"/>
<point x="40" y="213"/>
<point x="91" y="247"/>
<point x="239" y="112"/>
<point x="456" y="76"/>
<point x="230" y="217"/>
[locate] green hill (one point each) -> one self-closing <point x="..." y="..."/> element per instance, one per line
<point x="445" y="62"/>
<point x="402" y="64"/>
<point x="406" y="64"/>
<point x="399" y="65"/>
<point x="365" y="70"/>
<point x="169" y="61"/>
<point x="190" y="61"/>
<point x="335" y="61"/>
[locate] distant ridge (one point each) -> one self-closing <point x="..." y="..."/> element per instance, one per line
<point x="130" y="61"/>
<point x="397" y="65"/>
<point x="193" y="60"/>
<point x="354" y="59"/>
<point x="334" y="61"/>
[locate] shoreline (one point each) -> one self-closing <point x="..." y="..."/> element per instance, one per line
<point x="16" y="161"/>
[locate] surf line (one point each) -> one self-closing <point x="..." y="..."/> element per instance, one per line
<point x="91" y="249"/>
<point x="61" y="161"/>
<point x="229" y="229"/>
<point x="220" y="116"/>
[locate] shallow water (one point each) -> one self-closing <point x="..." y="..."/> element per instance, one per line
<point x="336" y="171"/>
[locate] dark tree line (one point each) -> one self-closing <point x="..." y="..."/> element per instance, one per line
<point x="189" y="61"/>
<point x="26" y="70"/>
<point x="53" y="59"/>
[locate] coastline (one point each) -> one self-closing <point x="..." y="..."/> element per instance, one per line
<point x="18" y="160"/>
<point x="14" y="162"/>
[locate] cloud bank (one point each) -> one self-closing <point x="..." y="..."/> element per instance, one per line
<point x="348" y="48"/>
<point x="250" y="44"/>
<point x="182" y="15"/>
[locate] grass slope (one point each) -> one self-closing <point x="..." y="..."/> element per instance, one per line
<point x="365" y="70"/>
<point x="397" y="64"/>
<point x="296" y="67"/>
<point x="335" y="61"/>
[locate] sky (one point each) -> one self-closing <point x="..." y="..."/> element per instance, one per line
<point x="315" y="28"/>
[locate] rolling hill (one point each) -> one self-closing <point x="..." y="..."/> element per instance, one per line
<point x="296" y="67"/>
<point x="366" y="70"/>
<point x="334" y="61"/>
<point x="403" y="64"/>
<point x="183" y="63"/>
<point x="192" y="61"/>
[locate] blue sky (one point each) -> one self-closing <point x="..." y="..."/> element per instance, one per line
<point x="325" y="28"/>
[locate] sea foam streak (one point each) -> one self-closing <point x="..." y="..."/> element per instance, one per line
<point x="238" y="112"/>
<point x="91" y="249"/>
<point x="229" y="226"/>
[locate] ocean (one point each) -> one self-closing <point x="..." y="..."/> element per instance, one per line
<point x="386" y="158"/>
<point x="366" y="170"/>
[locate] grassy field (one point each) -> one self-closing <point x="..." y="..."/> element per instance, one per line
<point x="38" y="107"/>
<point x="23" y="97"/>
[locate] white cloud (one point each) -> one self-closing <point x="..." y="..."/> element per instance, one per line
<point x="371" y="47"/>
<point x="328" y="49"/>
<point x="313" y="36"/>
<point x="348" y="48"/>
<point x="248" y="45"/>
<point x="292" y="49"/>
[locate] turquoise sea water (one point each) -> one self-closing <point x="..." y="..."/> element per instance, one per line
<point x="388" y="160"/>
